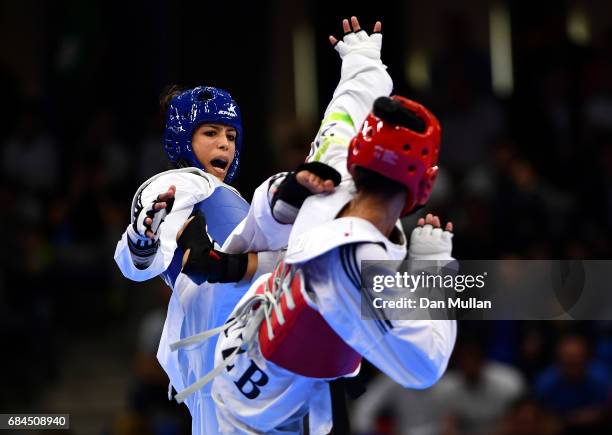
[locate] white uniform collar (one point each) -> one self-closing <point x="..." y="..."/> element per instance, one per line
<point x="338" y="232"/>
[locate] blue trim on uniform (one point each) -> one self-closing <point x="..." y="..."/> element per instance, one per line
<point x="348" y="261"/>
<point x="346" y="267"/>
<point x="357" y="269"/>
<point x="380" y="314"/>
<point x="348" y="256"/>
<point x="143" y="248"/>
<point x="173" y="270"/>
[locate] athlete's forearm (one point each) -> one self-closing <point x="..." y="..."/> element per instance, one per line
<point x="252" y="263"/>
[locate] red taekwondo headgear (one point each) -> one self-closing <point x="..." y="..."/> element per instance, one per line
<point x="400" y="139"/>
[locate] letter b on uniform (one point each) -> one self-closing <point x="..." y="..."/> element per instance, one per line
<point x="249" y="382"/>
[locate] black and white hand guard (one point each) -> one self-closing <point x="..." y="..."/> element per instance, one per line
<point x="286" y="195"/>
<point x="143" y="248"/>
<point x="361" y="43"/>
<point x="206" y="263"/>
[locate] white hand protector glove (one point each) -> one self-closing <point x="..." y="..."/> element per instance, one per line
<point x="360" y="43"/>
<point x="429" y="243"/>
<point x="143" y="248"/>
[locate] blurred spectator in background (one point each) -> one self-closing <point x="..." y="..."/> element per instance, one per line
<point x="30" y="156"/>
<point x="151" y="158"/>
<point x="101" y="140"/>
<point x="595" y="193"/>
<point x="603" y="344"/>
<point x="149" y="410"/>
<point x="470" y="399"/>
<point x="79" y="224"/>
<point x="477" y="393"/>
<point x="527" y="417"/>
<point x="30" y="172"/>
<point x="388" y="408"/>
<point x="462" y="84"/>
<point x="576" y="388"/>
<point x="597" y="87"/>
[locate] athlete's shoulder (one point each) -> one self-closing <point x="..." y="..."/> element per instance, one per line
<point x="192" y="174"/>
<point x="184" y="179"/>
<point x="327" y="236"/>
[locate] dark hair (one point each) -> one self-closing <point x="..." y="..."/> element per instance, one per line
<point x="166" y="97"/>
<point x="393" y="112"/>
<point x="372" y="182"/>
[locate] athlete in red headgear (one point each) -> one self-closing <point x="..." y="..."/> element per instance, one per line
<point x="302" y="325"/>
<point x="400" y="139"/>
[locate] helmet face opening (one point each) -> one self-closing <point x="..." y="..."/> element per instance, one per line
<point x="187" y="112"/>
<point x="399" y="139"/>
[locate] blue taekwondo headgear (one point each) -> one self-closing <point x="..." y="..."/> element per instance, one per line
<point x="187" y="111"/>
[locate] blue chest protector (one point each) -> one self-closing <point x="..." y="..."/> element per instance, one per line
<point x="224" y="210"/>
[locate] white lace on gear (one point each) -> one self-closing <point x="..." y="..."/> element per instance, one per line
<point x="249" y="317"/>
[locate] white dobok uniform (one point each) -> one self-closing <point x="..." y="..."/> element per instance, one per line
<point x="298" y="328"/>
<point x="192" y="308"/>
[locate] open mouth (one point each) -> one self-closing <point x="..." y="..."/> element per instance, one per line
<point x="219" y="163"/>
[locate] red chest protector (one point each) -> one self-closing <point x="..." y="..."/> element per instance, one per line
<point x="303" y="343"/>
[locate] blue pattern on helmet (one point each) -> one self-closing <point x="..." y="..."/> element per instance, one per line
<point x="191" y="108"/>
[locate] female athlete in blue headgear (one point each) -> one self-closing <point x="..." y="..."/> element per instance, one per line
<point x="202" y="139"/>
